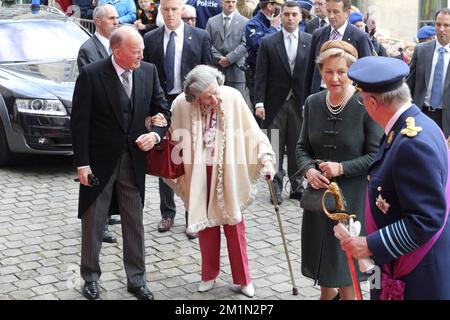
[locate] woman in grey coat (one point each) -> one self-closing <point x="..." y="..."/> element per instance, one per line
<point x="337" y="142"/>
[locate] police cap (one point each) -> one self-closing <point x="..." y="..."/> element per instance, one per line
<point x="426" y="32"/>
<point x="378" y="74"/>
<point x="306" y="4"/>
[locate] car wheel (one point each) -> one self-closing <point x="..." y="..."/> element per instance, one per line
<point x="5" y="153"/>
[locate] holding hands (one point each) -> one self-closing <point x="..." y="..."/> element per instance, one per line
<point x="157" y="120"/>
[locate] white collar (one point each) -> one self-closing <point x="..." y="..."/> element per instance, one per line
<point x="395" y="117"/>
<point x="287" y="33"/>
<point x="118" y="68"/>
<point x="230" y="16"/>
<point x="179" y="31"/>
<point x="342" y="29"/>
<point x="446" y="47"/>
<point x="103" y="40"/>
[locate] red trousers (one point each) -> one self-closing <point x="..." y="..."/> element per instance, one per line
<point x="209" y="240"/>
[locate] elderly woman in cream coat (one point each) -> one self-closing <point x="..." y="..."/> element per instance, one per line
<point x="224" y="152"/>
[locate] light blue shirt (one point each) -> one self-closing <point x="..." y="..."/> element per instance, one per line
<point x="125" y="8"/>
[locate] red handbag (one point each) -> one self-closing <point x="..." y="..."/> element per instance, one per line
<point x="159" y="160"/>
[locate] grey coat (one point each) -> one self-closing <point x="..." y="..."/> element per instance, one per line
<point x="231" y="45"/>
<point x="351" y="138"/>
<point x="419" y="79"/>
<point x="91" y="51"/>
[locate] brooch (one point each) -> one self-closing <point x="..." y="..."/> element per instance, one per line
<point x="382" y="204"/>
<point x="411" y="130"/>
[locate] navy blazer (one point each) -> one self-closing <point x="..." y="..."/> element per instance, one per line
<point x="273" y="77"/>
<point x="359" y="39"/>
<point x="312" y="25"/>
<point x="196" y="50"/>
<point x="410" y="174"/>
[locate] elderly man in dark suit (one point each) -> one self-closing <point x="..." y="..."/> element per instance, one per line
<point x="97" y="47"/>
<point x="175" y="49"/>
<point x="94" y="49"/>
<point x="280" y="92"/>
<point x="111" y="100"/>
<point x="321" y="19"/>
<point x="227" y="35"/>
<point x="339" y="29"/>
<point x="429" y="79"/>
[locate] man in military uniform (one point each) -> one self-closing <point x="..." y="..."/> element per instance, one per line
<point x="408" y="234"/>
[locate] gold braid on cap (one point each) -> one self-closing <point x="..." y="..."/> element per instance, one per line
<point x="336" y="44"/>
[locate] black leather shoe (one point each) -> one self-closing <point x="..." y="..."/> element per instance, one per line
<point x="109" y="237"/>
<point x="90" y="290"/>
<point x="141" y="293"/>
<point x="113" y="221"/>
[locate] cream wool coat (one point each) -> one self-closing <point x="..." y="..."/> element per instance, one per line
<point x="240" y="149"/>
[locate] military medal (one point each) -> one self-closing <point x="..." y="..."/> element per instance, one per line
<point x="382" y="204"/>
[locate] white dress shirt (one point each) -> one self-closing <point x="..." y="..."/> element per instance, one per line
<point x="230" y="16"/>
<point x="286" y="40"/>
<point x="395" y="117"/>
<point x="427" y="101"/>
<point x="179" y="40"/>
<point x="341" y="30"/>
<point x="104" y="41"/>
<point x="121" y="70"/>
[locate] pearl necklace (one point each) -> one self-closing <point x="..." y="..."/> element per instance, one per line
<point x="336" y="109"/>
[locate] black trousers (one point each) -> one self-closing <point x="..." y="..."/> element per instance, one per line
<point x="435" y="115"/>
<point x="166" y="195"/>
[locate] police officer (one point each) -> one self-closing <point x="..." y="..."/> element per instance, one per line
<point x="265" y="22"/>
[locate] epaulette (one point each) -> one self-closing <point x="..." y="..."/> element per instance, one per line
<point x="411" y="130"/>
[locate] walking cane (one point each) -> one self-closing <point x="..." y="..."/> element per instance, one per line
<point x="280" y="224"/>
<point x="342" y="217"/>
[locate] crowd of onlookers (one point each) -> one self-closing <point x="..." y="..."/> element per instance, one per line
<point x="144" y="15"/>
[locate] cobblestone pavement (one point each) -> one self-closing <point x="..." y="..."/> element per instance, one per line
<point x="40" y="243"/>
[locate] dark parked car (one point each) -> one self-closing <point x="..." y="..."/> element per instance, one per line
<point x="38" y="69"/>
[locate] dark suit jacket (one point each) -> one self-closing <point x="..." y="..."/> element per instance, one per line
<point x="312" y="25"/>
<point x="98" y="130"/>
<point x="359" y="39"/>
<point x="419" y="78"/>
<point x="196" y="50"/>
<point x="274" y="79"/>
<point x="90" y="51"/>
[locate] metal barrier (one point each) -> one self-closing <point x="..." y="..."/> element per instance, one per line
<point x="86" y="23"/>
